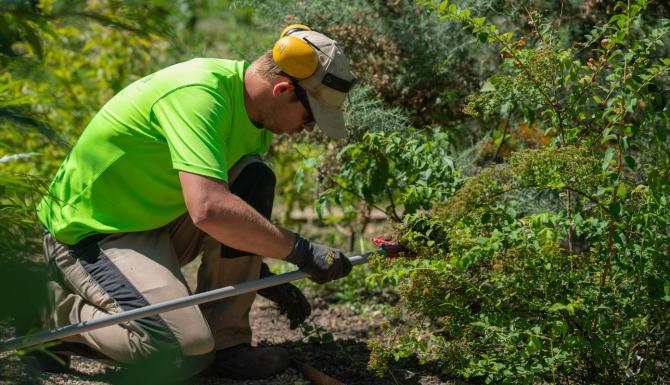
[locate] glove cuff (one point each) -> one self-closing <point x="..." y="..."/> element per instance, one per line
<point x="299" y="255"/>
<point x="265" y="271"/>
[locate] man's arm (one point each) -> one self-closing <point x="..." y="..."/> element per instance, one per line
<point x="230" y="220"/>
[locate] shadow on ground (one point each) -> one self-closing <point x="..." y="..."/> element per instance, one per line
<point x="346" y="361"/>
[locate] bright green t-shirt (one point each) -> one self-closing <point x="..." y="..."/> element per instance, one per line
<point x="122" y="174"/>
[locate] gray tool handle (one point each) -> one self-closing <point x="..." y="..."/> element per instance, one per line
<point x="147" y="311"/>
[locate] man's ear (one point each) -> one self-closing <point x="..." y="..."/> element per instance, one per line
<point x="282" y="85"/>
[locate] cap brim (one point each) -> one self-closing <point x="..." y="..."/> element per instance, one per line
<point x="329" y="120"/>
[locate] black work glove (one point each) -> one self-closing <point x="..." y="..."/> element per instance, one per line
<point x="292" y="303"/>
<point x="322" y="263"/>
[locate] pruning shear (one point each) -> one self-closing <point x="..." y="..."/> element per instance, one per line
<point x="389" y="246"/>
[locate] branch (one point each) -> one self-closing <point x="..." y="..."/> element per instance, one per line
<point x="396" y="217"/>
<point x="509" y="116"/>
<point x="583" y="194"/>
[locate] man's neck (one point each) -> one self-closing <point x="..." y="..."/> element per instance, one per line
<point x="253" y="95"/>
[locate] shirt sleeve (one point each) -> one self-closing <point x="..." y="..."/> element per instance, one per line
<point x="195" y="121"/>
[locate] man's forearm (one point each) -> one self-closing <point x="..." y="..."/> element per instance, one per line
<point x="235" y="223"/>
<point x="230" y="220"/>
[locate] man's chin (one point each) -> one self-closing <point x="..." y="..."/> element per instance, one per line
<point x="279" y="131"/>
<point x="258" y="125"/>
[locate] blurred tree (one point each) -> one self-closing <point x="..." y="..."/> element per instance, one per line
<point x="59" y="61"/>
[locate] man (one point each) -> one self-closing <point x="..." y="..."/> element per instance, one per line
<point x="168" y="169"/>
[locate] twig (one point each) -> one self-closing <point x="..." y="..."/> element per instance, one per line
<point x="502" y="140"/>
<point x="571" y="225"/>
<point x="610" y="237"/>
<point x="396" y="217"/>
<point x="585" y="195"/>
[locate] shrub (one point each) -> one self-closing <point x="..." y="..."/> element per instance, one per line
<point x="552" y="266"/>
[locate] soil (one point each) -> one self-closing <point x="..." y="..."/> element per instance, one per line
<point x="344" y="357"/>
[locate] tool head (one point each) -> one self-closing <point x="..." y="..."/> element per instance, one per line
<point x="388" y="244"/>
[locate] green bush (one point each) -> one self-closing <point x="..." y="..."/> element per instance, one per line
<point x="392" y="163"/>
<point x="551" y="267"/>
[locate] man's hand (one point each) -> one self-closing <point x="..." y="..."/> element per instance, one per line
<point x="322" y="263"/>
<point x="292" y="303"/>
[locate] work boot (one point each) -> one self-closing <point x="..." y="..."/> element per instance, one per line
<point x="244" y="362"/>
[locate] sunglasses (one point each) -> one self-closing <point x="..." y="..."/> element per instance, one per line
<point x="301" y="94"/>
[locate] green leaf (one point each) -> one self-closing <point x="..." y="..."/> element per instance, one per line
<point x="507" y="37"/>
<point x="607" y="159"/>
<point x="488" y="87"/>
<point x="479" y="21"/>
<point x="661" y="133"/>
<point x="31" y="35"/>
<point x="556" y="307"/>
<point x="560" y="328"/>
<point x="614" y="208"/>
<point x="534" y="344"/>
<point x="621" y="191"/>
<point x="299" y="179"/>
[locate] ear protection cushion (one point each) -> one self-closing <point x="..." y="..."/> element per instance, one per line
<point x="295" y="57"/>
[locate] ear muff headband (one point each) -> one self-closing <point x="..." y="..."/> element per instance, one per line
<point x="293" y="28"/>
<point x="294" y="55"/>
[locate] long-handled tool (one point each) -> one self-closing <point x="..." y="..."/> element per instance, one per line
<point x="147" y="311"/>
<point x="387" y="248"/>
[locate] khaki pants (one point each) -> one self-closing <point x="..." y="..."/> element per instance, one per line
<point x="125" y="271"/>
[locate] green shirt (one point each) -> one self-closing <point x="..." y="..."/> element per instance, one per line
<point x="122" y="174"/>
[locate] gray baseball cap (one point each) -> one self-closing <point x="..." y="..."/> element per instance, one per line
<point x="327" y="88"/>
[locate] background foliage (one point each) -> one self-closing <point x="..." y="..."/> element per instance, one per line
<point x="519" y="148"/>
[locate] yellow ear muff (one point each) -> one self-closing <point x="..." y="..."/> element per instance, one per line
<point x="295" y="57"/>
<point x="294" y="28"/>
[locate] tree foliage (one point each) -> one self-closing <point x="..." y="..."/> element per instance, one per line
<point x="60" y="61"/>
